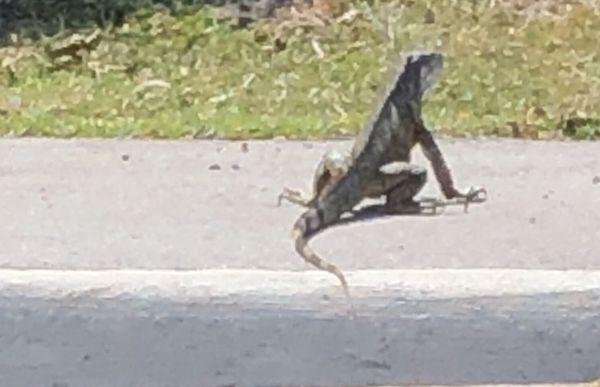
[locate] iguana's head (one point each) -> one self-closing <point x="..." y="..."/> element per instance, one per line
<point x="423" y="69"/>
<point x="335" y="162"/>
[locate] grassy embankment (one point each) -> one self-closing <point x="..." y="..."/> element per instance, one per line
<point x="189" y="74"/>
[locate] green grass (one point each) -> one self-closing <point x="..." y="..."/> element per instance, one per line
<point x="190" y="74"/>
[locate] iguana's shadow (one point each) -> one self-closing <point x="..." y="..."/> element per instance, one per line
<point x="373" y="212"/>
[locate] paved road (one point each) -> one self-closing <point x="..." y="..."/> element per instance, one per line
<point x="77" y="204"/>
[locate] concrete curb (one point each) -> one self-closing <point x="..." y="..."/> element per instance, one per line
<point x="280" y="284"/>
<point x="252" y="327"/>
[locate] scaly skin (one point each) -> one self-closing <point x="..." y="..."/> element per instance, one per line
<point x="380" y="162"/>
<point x="332" y="167"/>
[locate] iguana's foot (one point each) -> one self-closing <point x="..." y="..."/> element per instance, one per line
<point x="292" y="196"/>
<point x="473" y="195"/>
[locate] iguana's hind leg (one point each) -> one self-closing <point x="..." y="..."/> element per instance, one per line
<point x="400" y="198"/>
<point x="400" y="182"/>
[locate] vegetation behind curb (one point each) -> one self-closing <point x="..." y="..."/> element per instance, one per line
<point x="511" y="69"/>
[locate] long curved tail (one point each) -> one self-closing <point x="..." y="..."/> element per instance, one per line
<point x="306" y="227"/>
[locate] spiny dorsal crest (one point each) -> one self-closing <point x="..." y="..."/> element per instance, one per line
<point x="411" y="74"/>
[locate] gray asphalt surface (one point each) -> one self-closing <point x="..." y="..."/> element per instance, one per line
<point x="141" y="342"/>
<point x="75" y="204"/>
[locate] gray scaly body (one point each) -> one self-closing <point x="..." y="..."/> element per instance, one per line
<point x="379" y="164"/>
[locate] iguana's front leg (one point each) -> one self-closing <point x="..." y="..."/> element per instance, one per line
<point x="443" y="175"/>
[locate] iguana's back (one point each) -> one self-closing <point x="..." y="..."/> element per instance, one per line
<point x="396" y="114"/>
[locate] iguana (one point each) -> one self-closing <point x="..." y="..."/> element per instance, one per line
<point x="331" y="168"/>
<point x="379" y="164"/>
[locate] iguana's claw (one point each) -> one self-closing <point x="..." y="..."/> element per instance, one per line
<point x="285" y="194"/>
<point x="474" y="195"/>
<point x="477" y="195"/>
<point x="291" y="196"/>
<point x="281" y="196"/>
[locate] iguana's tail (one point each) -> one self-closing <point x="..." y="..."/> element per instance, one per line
<point x="305" y="228"/>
